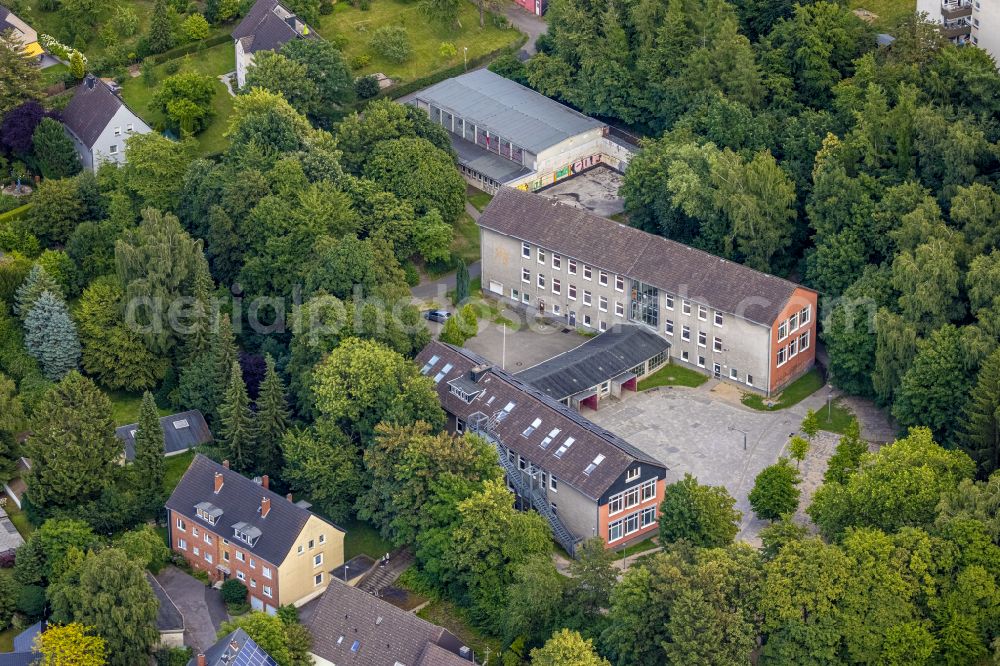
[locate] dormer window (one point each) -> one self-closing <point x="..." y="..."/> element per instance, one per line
<point x="208" y="512"/>
<point x="180" y="424"/>
<point x="248" y="534"/>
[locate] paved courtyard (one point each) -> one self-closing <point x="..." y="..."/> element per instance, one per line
<point x="689" y="431"/>
<point x="595" y="190"/>
<point x="532" y="344"/>
<point x="202" y="607"/>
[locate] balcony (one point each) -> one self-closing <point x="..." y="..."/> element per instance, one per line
<point x="956" y="28"/>
<point x="956" y="10"/>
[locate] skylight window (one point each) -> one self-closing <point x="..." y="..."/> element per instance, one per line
<point x="444" y="371"/>
<point x="355" y="646"/>
<point x="592" y="466"/>
<point x="430" y="364"/>
<point x="548" y="438"/>
<point x="182" y="423"/>
<point x="505" y="412"/>
<point x="565" y="447"/>
<point x="530" y="429"/>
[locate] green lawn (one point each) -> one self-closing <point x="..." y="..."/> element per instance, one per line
<point x="20" y="520"/>
<point x="212" y="62"/>
<point x="478" y="198"/>
<point x="888" y="11"/>
<point x="446" y="614"/>
<point x="363" y="538"/>
<point x="125" y="407"/>
<point x="798" y="390"/>
<point x="839" y="417"/>
<point x="174" y="468"/>
<point x="673" y="375"/>
<point x="640" y="547"/>
<point x="465" y="246"/>
<point x="53" y="74"/>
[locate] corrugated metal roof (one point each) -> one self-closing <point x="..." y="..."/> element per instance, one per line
<point x="599" y="359"/>
<point x="489" y="164"/>
<point x="519" y="114"/>
<point x="181" y="431"/>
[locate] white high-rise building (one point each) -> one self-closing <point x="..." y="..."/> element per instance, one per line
<point x="974" y="22"/>
<point x="986" y="26"/>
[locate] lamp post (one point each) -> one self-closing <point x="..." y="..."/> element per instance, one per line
<point x="829" y="405"/>
<point x="465" y="54"/>
<point x="731" y="428"/>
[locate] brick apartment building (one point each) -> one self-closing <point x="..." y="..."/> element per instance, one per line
<point x="583" y="479"/>
<point x="230" y="526"/>
<point x="720" y="317"/>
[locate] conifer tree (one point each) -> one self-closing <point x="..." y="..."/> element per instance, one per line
<point x="161" y="29"/>
<point x="199" y="339"/>
<point x="271" y="420"/>
<point x="236" y="430"/>
<point x="147" y="470"/>
<point x="38" y="280"/>
<point x="50" y="336"/>
<point x="980" y="435"/>
<point x="461" y="283"/>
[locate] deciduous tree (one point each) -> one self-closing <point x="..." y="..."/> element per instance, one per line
<point x="567" y="648"/>
<point x="702" y="515"/>
<point x="323" y="463"/>
<point x="774" y="491"/>
<point x="71" y="644"/>
<point x="399" y="164"/>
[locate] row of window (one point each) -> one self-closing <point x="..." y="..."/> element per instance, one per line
<point x="794" y="346"/>
<point x="266" y="589"/>
<point x="794" y="323"/>
<point x="734" y="373"/>
<point x="631" y="497"/>
<point x="631" y="524"/>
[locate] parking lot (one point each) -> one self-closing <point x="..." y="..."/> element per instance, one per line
<point x="689" y="430"/>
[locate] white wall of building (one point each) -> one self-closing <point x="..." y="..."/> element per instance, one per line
<point x="986" y="26"/>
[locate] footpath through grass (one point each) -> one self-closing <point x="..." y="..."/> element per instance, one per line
<point x="673" y="375"/>
<point x="793" y="394"/>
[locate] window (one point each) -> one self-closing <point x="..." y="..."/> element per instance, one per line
<point x="648" y="490"/>
<point x="318" y="559"/>
<point x="571" y="266"/>
<point x="530" y="429"/>
<point x="182" y="544"/>
<point x="701" y="361"/>
<point x="586" y="272"/>
<point x="312" y="544"/>
<point x="564" y="447"/>
<point x="702" y="339"/>
<point x="616" y="504"/>
<point x="556" y="286"/>
<point x="571" y="292"/>
<point x="514" y="294"/>
<point x="793" y="347"/>
<point x="615" y="531"/>
<point x="208" y="557"/>
<point x="302" y="549"/>
<point x="556" y="262"/>
<point x="685" y="356"/>
<point x="525" y="250"/>
<point x="130" y="128"/>
<point x="686" y="307"/>
<point x="633" y="474"/>
<point x="804" y="315"/>
<point x="670" y="302"/>
<point x="253" y="583"/>
<point x="602" y="304"/>
<point x="225" y="555"/>
<point x="783" y="330"/>
<point x="195" y="532"/>
<point x="781" y="356"/>
<point x="603" y="325"/>
<point x="267" y="590"/>
<point x="804" y="341"/>
<point x="603" y="278"/>
<point x="734" y="373"/>
<point x="718" y="319"/>
<point x="208" y="538"/>
<point x="749" y="380"/>
<point x="648" y="516"/>
<point x="717" y="344"/>
<point x="553" y="484"/>
<point x="619" y="283"/>
<point x="668" y="327"/>
<point x="593" y="465"/>
<point x="541" y="281"/>
<point x="548" y="438"/>
<point x="113" y="149"/>
<point x="181" y="525"/>
<point x="541" y="256"/>
<point x="240" y="575"/>
<point x="322" y="539"/>
<point x="253" y="563"/>
<point x="318" y="579"/>
<point x="525" y="297"/>
<point x="702" y="312"/>
<point x="619" y="309"/>
<point x="586" y="320"/>
<point x="686" y="333"/>
<point x="445" y="369"/>
<point x="118" y="131"/>
<point x="586" y="297"/>
<point x="240" y="557"/>
<point x="793" y="323"/>
<point x="525" y="276"/>
<point x="196" y="550"/>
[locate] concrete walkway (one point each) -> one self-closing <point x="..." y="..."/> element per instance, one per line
<point x="202" y="607"/>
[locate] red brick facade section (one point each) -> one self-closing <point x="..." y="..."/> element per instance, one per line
<point x="803" y="360"/>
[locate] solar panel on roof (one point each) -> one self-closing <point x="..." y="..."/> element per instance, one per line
<point x="251" y="654"/>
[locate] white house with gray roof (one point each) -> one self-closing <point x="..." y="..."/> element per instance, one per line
<point x="268" y="26"/>
<point x="507" y="134"/>
<point x="99" y="122"/>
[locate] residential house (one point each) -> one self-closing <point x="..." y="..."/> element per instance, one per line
<point x="506" y="134"/>
<point x="21" y="31"/>
<point x="24" y="653"/>
<point x="169" y="621"/>
<point x="99" y="122"/>
<point x="268" y="26"/>
<point x="228" y="525"/>
<point x="234" y="649"/>
<point x="585" y="271"/>
<point x="350" y="626"/>
<point x="583" y="479"/>
<point x="10" y="538"/>
<point x="181" y="432"/>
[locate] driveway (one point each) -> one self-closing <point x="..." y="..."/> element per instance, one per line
<point x="689" y="431"/>
<point x="202" y="607"/>
<point x="526" y="22"/>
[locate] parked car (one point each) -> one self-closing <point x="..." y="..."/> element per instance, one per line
<point x="440" y="316"/>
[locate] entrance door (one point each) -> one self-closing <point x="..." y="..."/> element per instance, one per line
<point x="717" y="370"/>
<point x="571" y="318"/>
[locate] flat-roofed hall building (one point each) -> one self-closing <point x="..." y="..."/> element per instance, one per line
<point x="720" y="317"/>
<point x="584" y="480"/>
<point x="508" y="134"/>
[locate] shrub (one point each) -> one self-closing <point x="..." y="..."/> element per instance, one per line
<point x="447" y="50"/>
<point x="391" y="42"/>
<point x="202" y="576"/>
<point x="360" y="61"/>
<point x="366" y="87"/>
<point x="234" y="592"/>
<point x="31" y="601"/>
<point x="172" y="66"/>
<point x="195" y="27"/>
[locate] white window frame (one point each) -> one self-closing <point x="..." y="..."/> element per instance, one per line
<point x="686" y="307"/>
<point x="619" y="309"/>
<point x="541" y="256"/>
<point x="633" y="474"/>
<point x="587" y="298"/>
<point x="267" y="591"/>
<point x="619" y="283"/>
<point x="805" y="314"/>
<point x="702" y="313"/>
<point x="318" y="560"/>
<point x="526" y="250"/>
<point x="556" y="286"/>
<point x="668" y="326"/>
<point x="525" y="276"/>
<point x="587" y="321"/>
<point x="571" y="266"/>
<point x="113" y="149"/>
<point x="540" y="281"/>
<point x="734" y="374"/>
<point x="685" y="333"/>
<point x="571" y="292"/>
<point x="602" y="278"/>
<point x="782" y="330"/>
<point x="716" y="344"/>
<point x="793" y="348"/>
<point x="182" y="544"/>
<point x="749" y="380"/>
<point x="701" y="361"/>
<point x="804" y="341"/>
<point x="702" y="339"/>
<point x="318" y="579"/>
<point x="718" y="319"/>
<point x="782" y="357"/>
<point x="669" y="302"/>
<point x="556" y="262"/>
<point x="602" y="303"/>
<point x="588" y="273"/>
<point x="603" y="325"/>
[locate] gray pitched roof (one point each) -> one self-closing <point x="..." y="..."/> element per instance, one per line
<point x="604" y="357"/>
<point x="519" y="114"/>
<point x="499" y="388"/>
<point x="168" y="618"/>
<point x="671" y="266"/>
<point x="25" y="641"/>
<point x="264" y="30"/>
<point x="350" y="626"/>
<point x="90" y="110"/>
<point x="236" y="649"/>
<point x="239" y="499"/>
<point x="181" y="431"/>
<point x="10" y="538"/>
<point x="19" y="659"/>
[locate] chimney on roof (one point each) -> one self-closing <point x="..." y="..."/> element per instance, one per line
<point x="90" y="81"/>
<point x="288" y="497"/>
<point x="218" y="481"/>
<point x="264" y="481"/>
<point x="479" y="372"/>
<point x="201" y="659"/>
<point x="225" y="463"/>
<point x="265" y="506"/>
